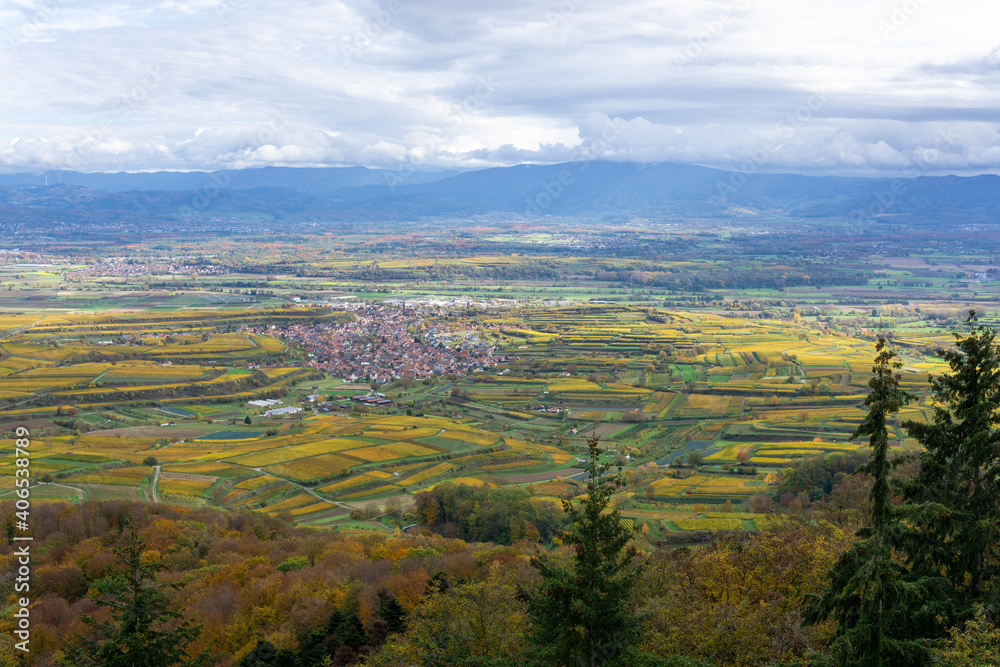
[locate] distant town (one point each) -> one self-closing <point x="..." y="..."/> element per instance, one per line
<point x="387" y="343"/>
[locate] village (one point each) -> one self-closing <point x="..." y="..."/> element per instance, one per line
<point x="123" y="267"/>
<point x="387" y="343"/>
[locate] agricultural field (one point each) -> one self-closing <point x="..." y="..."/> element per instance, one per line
<point x="319" y="459"/>
<point x="705" y="393"/>
<point x="85" y="362"/>
<point x="744" y="398"/>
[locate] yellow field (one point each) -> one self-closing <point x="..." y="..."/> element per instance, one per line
<point x="256" y="482"/>
<point x="42" y="352"/>
<point x="730" y="522"/>
<point x="728" y="486"/>
<point x="419" y="477"/>
<point x="183" y="486"/>
<point x="306" y="470"/>
<point x="216" y="344"/>
<point x="128" y="372"/>
<point x="317" y="506"/>
<point x="482" y="439"/>
<point x="534" y="449"/>
<point x="390" y="452"/>
<point x="123" y="476"/>
<point x="269" y="344"/>
<point x="30" y="384"/>
<point x="729" y="453"/>
<point x="337" y="487"/>
<point x="13" y="394"/>
<point x="700" y="402"/>
<point x="770" y="460"/>
<point x="668" y="486"/>
<point x="811" y="446"/>
<point x="88" y="370"/>
<point x="370" y="492"/>
<point x="298" y="500"/>
<point x="574" y="385"/>
<point x="403" y="434"/>
<point x="659" y="402"/>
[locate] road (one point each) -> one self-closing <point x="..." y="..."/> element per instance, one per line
<point x="156" y="481"/>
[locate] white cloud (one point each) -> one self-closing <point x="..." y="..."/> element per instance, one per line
<point x="206" y="84"/>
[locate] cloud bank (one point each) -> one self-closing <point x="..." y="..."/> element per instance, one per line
<point x="830" y="86"/>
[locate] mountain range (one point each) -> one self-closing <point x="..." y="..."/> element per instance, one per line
<point x="586" y="189"/>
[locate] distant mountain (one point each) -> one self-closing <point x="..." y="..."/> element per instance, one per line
<point x="159" y="202"/>
<point x="668" y="189"/>
<point x="318" y="182"/>
<point x="664" y="190"/>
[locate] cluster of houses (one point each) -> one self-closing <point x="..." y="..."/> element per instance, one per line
<point x="387" y="343"/>
<point x="122" y="267"/>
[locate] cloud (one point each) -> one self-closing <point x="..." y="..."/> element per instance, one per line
<point x="208" y="84"/>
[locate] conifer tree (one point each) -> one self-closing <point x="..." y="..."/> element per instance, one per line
<point x="582" y="615"/>
<point x="262" y="655"/>
<point x="870" y="594"/>
<point x="955" y="496"/>
<point x="143" y="631"/>
<point x="390" y="611"/>
<point x="342" y="629"/>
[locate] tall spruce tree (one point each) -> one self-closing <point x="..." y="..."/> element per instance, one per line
<point x="870" y="594"/>
<point x="582" y="615"/>
<point x="143" y="631"/>
<point x="955" y="496"/>
<point x="390" y="611"/>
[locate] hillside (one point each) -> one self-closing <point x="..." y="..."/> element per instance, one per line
<point x="658" y="191"/>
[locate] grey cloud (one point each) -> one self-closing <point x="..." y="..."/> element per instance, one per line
<point x="389" y="82"/>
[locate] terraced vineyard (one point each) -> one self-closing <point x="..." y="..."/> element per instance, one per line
<point x="701" y="410"/>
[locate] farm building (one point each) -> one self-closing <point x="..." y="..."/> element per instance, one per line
<point x="283" y="412"/>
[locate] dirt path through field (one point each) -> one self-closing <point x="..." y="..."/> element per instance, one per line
<point x="156" y="480"/>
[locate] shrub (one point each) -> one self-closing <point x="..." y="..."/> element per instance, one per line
<point x="293" y="563"/>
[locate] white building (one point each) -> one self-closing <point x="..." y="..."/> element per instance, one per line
<point x="283" y="412"/>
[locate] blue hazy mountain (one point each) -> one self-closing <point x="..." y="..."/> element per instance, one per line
<point x="570" y="189"/>
<point x="318" y="182"/>
<point x="668" y="189"/>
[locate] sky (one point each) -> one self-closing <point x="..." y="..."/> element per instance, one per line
<point x="853" y="87"/>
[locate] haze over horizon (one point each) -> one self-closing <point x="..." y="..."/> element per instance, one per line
<point x="849" y="88"/>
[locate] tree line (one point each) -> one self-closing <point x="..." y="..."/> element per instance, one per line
<point x="487" y="514"/>
<point x="927" y="562"/>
